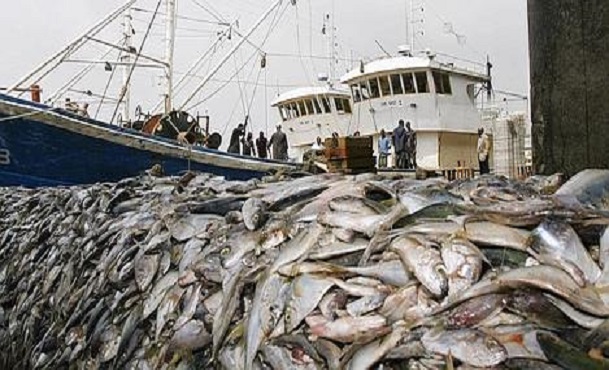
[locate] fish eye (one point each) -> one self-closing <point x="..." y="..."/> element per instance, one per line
<point x="225" y="251"/>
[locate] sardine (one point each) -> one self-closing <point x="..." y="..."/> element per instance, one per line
<point x="467" y="345"/>
<point x="348" y="329"/>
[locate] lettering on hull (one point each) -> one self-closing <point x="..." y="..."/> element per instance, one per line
<point x="5" y="157"/>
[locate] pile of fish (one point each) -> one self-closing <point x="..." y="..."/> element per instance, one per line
<point x="312" y="272"/>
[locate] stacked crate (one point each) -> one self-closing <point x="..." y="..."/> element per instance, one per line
<point x="509" y="146"/>
<point x="350" y="155"/>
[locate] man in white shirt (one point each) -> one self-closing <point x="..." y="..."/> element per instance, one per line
<point x="484" y="148"/>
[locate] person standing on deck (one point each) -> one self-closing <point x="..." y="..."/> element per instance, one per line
<point x="279" y="141"/>
<point x="411" y="147"/>
<point x="235" y="139"/>
<point x="399" y="143"/>
<point x="484" y="148"/>
<point x="261" y="146"/>
<point x="318" y="145"/>
<point x="384" y="149"/>
<point x="248" y="145"/>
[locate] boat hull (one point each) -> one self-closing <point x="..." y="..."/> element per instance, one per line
<point x="41" y="146"/>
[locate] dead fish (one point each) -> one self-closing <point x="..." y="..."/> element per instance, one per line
<point x="266" y="311"/>
<point x="467" y="345"/>
<point x="424" y="262"/>
<point x="158" y="293"/>
<point x="567" y="356"/>
<point x="497" y="235"/>
<point x="397" y="304"/>
<point x="590" y="187"/>
<point x="254" y="213"/>
<point x="297" y="248"/>
<point x="556" y="243"/>
<point x="168" y="305"/>
<point x="475" y="311"/>
<point x="307" y="291"/>
<point x="356" y="205"/>
<point x="373" y="352"/>
<point x="547" y="278"/>
<point x="145" y="269"/>
<point x="520" y="341"/>
<point x="365" y="224"/>
<point x="463" y="262"/>
<point x="191" y="336"/>
<point x="366" y="304"/>
<point x="333" y="302"/>
<point x="192" y="225"/>
<point x="348" y="329"/>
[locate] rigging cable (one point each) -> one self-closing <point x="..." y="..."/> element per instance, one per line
<point x="137" y="57"/>
<point x="101" y="103"/>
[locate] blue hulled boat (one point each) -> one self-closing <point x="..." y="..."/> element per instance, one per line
<point x="45" y="146"/>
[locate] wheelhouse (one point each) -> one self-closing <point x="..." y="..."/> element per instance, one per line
<point x="437" y="97"/>
<point x="312" y="112"/>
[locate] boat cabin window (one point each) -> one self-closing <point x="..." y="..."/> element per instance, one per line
<point x="302" y="108"/>
<point x="357" y="96"/>
<point x="364" y="90"/>
<point x="283" y="111"/>
<point x="295" y="113"/>
<point x="316" y="105"/>
<point x="385" y="86"/>
<point x="309" y="104"/>
<point x="326" y="104"/>
<point x="396" y="84"/>
<point x="375" y="92"/>
<point x="471" y="92"/>
<point x="422" y="84"/>
<point x="442" y="83"/>
<point x="408" y="83"/>
<point x="342" y="105"/>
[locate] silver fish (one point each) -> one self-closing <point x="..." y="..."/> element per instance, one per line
<point x="158" y="293"/>
<point x="557" y="244"/>
<point x="191" y="336"/>
<point x="467" y="345"/>
<point x="307" y="291"/>
<point x="145" y="269"/>
<point x="348" y="329"/>
<point x="266" y="311"/>
<point x="424" y="262"/>
<point x="254" y="213"/>
<point x="463" y="262"/>
<point x="371" y="353"/>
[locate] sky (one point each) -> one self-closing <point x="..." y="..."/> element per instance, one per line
<point x="296" y="50"/>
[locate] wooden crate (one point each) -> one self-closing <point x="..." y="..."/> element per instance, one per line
<point x="339" y="165"/>
<point x="349" y="147"/>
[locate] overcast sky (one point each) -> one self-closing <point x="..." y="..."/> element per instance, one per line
<point x="34" y="29"/>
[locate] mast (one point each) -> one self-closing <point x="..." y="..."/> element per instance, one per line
<point x="332" y="46"/>
<point x="170" y="33"/>
<point x="72" y="47"/>
<point x="232" y="51"/>
<point x="126" y="59"/>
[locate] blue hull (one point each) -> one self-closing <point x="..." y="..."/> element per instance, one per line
<point x="56" y="148"/>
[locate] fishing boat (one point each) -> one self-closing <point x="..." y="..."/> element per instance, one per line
<point x="45" y="144"/>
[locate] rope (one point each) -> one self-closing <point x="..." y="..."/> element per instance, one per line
<point x="137" y="57"/>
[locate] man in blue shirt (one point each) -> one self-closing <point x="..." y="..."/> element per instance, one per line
<point x="384" y="149"/>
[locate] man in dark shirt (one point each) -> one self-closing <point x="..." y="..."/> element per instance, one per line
<point x="261" y="145"/>
<point x="279" y="141"/>
<point x="235" y="139"/>
<point x="399" y="143"/>
<point x="248" y="145"/>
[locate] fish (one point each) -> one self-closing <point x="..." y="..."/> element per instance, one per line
<point x="190" y="336"/>
<point x="307" y="291"/>
<point x="469" y="346"/>
<point x="556" y="243"/>
<point x="348" y="329"/>
<point x="254" y="213"/>
<point x="424" y="262"/>
<point x="567" y="356"/>
<point x="267" y="309"/>
<point x="373" y="352"/>
<point x="589" y="187"/>
<point x="463" y="262"/>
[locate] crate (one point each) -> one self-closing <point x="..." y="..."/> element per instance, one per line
<point x="349" y="147"/>
<point x="353" y="163"/>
